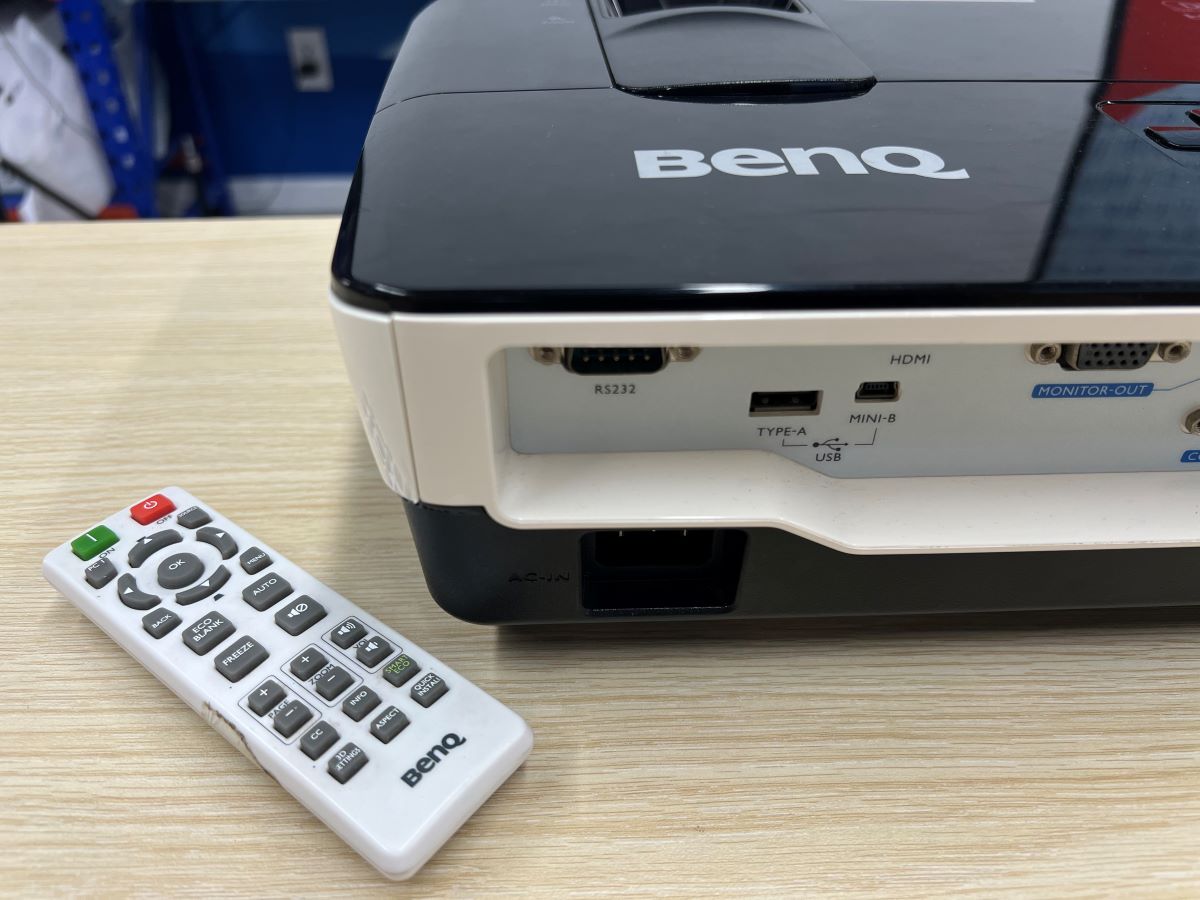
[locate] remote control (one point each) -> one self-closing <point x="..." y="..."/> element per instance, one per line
<point x="388" y="746"/>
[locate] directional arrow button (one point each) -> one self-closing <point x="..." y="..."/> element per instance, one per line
<point x="220" y="539"/>
<point x="152" y="543"/>
<point x="133" y="596"/>
<point x="205" y="588"/>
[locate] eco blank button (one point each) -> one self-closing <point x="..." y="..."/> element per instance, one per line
<point x="300" y="615"/>
<point x="206" y="633"/>
<point x="93" y="542"/>
<point x="241" y="658"/>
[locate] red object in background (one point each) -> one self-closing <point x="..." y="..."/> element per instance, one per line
<point x="1156" y="47"/>
<point x="151" y="508"/>
<point x="118" y="211"/>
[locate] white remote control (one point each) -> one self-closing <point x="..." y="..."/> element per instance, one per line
<point x="388" y="746"/>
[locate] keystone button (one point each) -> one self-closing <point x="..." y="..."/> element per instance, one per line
<point x="179" y="570"/>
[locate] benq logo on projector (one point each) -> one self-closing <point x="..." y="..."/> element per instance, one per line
<point x="755" y="163"/>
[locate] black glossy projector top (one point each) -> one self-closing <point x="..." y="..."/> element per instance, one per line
<point x="572" y="155"/>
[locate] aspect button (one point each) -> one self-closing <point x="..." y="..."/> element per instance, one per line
<point x="133" y="596"/>
<point x="151" y="508"/>
<point x="100" y="573"/>
<point x="205" y="634"/>
<point x="210" y="584"/>
<point x="95" y="541"/>
<point x="303" y="613"/>
<point x="241" y="658"/>
<point x="152" y="543"/>
<point x="179" y="570"/>
<point x="266" y="592"/>
<point x="346" y="763"/>
<point x="161" y="622"/>
<point x="1175" y="137"/>
<point x="388" y="724"/>
<point x="372" y="651"/>
<point x="193" y="517"/>
<point x="308" y="664"/>
<point x="291" y="718"/>
<point x="349" y="632"/>
<point x="333" y="681"/>
<point x="429" y="689"/>
<point x="318" y="739"/>
<point x="254" y="560"/>
<point x="265" y="697"/>
<point x="218" y="538"/>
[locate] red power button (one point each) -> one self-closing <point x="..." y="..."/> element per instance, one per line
<point x="151" y="508"/>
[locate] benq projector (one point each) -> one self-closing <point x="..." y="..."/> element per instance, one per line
<point x="661" y="309"/>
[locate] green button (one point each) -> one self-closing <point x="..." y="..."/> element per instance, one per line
<point x="95" y="541"/>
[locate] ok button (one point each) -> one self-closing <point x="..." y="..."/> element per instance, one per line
<point x="179" y="570"/>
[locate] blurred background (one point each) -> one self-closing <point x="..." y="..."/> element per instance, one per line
<point x="167" y="108"/>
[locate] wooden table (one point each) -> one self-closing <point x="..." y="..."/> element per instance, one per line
<point x="1052" y="755"/>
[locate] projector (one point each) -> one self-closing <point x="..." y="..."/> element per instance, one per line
<point x="784" y="307"/>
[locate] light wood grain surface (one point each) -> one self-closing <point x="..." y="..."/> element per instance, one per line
<point x="1047" y="756"/>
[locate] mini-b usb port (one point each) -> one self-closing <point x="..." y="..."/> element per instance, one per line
<point x="785" y="403"/>
<point x="877" y="392"/>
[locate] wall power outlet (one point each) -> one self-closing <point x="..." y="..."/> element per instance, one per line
<point x="308" y="54"/>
